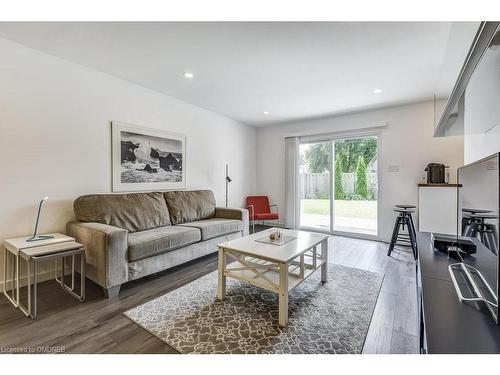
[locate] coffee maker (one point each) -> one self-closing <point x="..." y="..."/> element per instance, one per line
<point x="436" y="173"/>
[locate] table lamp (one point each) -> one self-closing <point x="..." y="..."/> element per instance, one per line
<point x="36" y="237"/>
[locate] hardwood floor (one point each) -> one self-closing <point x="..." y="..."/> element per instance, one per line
<point x="98" y="325"/>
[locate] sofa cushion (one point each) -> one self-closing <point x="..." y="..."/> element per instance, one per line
<point x="133" y="212"/>
<point x="160" y="240"/>
<point x="215" y="227"/>
<point x="188" y="206"/>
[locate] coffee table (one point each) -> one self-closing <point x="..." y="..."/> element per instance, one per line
<point x="277" y="268"/>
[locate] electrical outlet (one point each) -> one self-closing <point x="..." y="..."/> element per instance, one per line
<point x="393" y="168"/>
<point x="491" y="165"/>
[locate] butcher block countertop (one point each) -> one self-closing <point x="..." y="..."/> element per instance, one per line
<point x="441" y="185"/>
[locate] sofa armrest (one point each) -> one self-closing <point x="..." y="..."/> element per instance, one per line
<point x="235" y="214"/>
<point x="106" y="251"/>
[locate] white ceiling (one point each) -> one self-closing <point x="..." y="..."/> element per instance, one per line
<point x="294" y="70"/>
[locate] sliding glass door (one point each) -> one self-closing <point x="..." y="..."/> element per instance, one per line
<point x="355" y="185"/>
<point x="315" y="185"/>
<point x="338" y="185"/>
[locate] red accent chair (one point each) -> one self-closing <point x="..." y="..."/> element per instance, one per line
<point x="260" y="209"/>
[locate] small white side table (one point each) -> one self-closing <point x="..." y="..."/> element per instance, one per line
<point x="16" y="248"/>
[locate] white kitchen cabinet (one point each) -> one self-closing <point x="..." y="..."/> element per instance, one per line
<point x="437" y="208"/>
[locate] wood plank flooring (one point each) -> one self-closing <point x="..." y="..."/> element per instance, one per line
<point x="98" y="325"/>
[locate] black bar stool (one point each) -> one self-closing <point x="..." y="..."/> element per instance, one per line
<point x="403" y="219"/>
<point x="467" y="218"/>
<point x="486" y="232"/>
<point x="409" y="207"/>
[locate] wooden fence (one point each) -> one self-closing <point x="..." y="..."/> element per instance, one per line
<point x="316" y="185"/>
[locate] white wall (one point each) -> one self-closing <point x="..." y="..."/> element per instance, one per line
<point x="407" y="142"/>
<point x="55" y="137"/>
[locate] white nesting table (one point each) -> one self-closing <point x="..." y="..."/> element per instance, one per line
<point x="59" y="247"/>
<point x="277" y="268"/>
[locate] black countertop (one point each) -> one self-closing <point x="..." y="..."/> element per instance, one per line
<point x="452" y="326"/>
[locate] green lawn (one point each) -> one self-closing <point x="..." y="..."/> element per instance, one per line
<point x="355" y="209"/>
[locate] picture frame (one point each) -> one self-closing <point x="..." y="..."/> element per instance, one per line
<point x="146" y="159"/>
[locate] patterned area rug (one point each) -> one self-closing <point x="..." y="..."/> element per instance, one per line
<point x="323" y="318"/>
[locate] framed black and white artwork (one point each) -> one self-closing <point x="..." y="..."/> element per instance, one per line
<point x="147" y="159"/>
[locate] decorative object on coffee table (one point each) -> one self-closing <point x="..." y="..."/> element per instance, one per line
<point x="275" y="235"/>
<point x="147" y="159"/>
<point x="278" y="271"/>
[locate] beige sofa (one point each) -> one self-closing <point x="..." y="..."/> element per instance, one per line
<point x="128" y="236"/>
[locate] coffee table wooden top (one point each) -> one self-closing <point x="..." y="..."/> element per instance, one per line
<point x="280" y="253"/>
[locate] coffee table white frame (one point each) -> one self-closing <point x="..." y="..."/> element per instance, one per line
<point x="278" y="269"/>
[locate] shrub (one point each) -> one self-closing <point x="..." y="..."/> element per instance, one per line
<point x="361" y="188"/>
<point x="354" y="197"/>
<point x="339" y="190"/>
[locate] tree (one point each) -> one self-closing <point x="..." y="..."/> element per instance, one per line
<point x="361" y="185"/>
<point x="350" y="149"/>
<point x="339" y="190"/>
<point x="317" y="157"/>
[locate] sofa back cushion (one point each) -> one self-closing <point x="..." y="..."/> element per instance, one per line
<point x="188" y="206"/>
<point x="134" y="212"/>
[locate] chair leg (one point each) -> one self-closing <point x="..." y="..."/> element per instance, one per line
<point x="412" y="226"/>
<point x="465" y="225"/>
<point x="485" y="239"/>
<point x="472" y="230"/>
<point x="495" y="239"/>
<point x="412" y="240"/>
<point x="395" y="233"/>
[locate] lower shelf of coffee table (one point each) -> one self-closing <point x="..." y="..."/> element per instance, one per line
<point x="266" y="274"/>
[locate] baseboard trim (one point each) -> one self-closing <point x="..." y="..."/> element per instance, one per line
<point x="23" y="281"/>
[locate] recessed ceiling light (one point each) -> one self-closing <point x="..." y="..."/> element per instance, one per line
<point x="377" y="91"/>
<point x="266" y="112"/>
<point x="188" y="75"/>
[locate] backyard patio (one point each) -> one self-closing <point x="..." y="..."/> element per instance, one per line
<point x="359" y="216"/>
